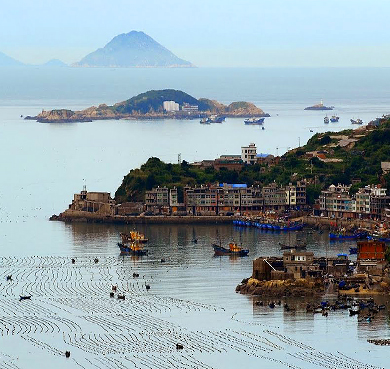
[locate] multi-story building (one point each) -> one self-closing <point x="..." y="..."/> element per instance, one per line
<point x="283" y="198"/>
<point x="301" y="194"/>
<point x="249" y="154"/>
<point x="222" y="199"/>
<point x="275" y="197"/>
<point x="202" y="200"/>
<point x="171" y="106"/>
<point x="368" y="202"/>
<point x="94" y="202"/>
<point x="371" y="201"/>
<point x="336" y="202"/>
<point x="157" y="199"/>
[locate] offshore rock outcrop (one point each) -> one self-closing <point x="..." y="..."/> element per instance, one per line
<point x="149" y="105"/>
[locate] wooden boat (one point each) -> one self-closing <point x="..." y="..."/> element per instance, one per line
<point x="133" y="248"/>
<point x="233" y="249"/>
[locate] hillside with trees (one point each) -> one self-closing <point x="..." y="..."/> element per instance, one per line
<point x="359" y="162"/>
<point x="149" y="105"/>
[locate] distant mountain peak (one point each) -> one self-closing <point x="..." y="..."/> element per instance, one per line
<point x="55" y="63"/>
<point x="133" y="49"/>
<point x="7" y="61"/>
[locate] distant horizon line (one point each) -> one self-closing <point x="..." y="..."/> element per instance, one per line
<point x="194" y="67"/>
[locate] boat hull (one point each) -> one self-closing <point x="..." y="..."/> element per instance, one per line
<point x="128" y="250"/>
<point x="255" y="121"/>
<point x="221" y="251"/>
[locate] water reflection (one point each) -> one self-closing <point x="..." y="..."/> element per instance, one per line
<point x="192" y="273"/>
<point x="180" y="238"/>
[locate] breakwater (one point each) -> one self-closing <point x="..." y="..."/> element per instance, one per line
<point x="83" y="216"/>
<point x="308" y="220"/>
<point x="329" y="223"/>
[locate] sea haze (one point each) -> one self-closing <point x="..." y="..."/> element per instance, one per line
<point x="192" y="294"/>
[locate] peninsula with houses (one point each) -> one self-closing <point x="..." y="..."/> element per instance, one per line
<point x="336" y="177"/>
<point x="154" y="104"/>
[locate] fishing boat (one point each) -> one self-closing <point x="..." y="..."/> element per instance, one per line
<point x="379" y="236"/>
<point x="216" y="118"/>
<point x="257" y="121"/>
<point x="353" y="250"/>
<point x="133" y="248"/>
<point x="347" y="236"/>
<point x="233" y="249"/>
<point x="133" y="236"/>
<point x="205" y="121"/>
<point x="334" y="118"/>
<point x="326" y="119"/>
<point x="357" y="121"/>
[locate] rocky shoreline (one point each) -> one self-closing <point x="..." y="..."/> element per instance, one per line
<point x="150" y="105"/>
<point x="73" y="216"/>
<point x="281" y="288"/>
<point x="312" y="287"/>
<point x="69" y="116"/>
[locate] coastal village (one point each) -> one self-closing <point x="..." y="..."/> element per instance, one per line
<point x="362" y="216"/>
<point x="212" y="234"/>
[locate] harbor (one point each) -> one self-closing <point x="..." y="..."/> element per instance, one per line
<point x="80" y="311"/>
<point x="192" y="300"/>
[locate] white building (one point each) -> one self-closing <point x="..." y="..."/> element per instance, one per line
<point x="190" y="108"/>
<point x="170" y="106"/>
<point x="249" y="154"/>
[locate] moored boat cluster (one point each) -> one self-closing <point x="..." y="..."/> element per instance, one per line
<point x="268" y="225"/>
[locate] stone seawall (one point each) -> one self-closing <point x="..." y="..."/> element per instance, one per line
<point x="83" y="216"/>
<point x="329" y="223"/>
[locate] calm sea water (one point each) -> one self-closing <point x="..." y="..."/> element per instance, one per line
<point x="192" y="298"/>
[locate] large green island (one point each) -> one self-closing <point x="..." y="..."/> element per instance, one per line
<point x="150" y="105"/>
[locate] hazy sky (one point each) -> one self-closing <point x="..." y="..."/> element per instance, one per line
<point x="209" y="33"/>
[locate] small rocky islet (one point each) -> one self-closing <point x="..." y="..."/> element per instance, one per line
<point x="150" y="105"/>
